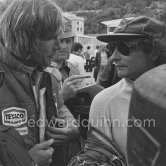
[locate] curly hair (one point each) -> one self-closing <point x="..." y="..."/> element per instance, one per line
<point x="24" y="21"/>
<point x="157" y="48"/>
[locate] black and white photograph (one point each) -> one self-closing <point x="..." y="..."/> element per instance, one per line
<point x="82" y="82"/>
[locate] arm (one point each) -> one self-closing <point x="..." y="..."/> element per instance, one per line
<point x="68" y="129"/>
<point x="70" y="86"/>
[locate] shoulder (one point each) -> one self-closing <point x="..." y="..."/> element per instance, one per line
<point x="75" y="61"/>
<point x="119" y="98"/>
<point x="72" y="58"/>
<point x="54" y="72"/>
<point x="75" y="57"/>
<point x="112" y="91"/>
<point x="102" y="98"/>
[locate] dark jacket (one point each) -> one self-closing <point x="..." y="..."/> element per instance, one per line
<point x="12" y="147"/>
<point x="18" y="105"/>
<point x="98" y="58"/>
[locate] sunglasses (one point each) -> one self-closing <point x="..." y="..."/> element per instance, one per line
<point x="2" y="77"/>
<point x="122" y="47"/>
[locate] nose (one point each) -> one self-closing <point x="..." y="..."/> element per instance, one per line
<point x="57" y="44"/>
<point x="63" y="44"/>
<point x="115" y="56"/>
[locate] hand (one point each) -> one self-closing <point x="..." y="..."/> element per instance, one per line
<point x="41" y="153"/>
<point x="70" y="86"/>
<point x="62" y="135"/>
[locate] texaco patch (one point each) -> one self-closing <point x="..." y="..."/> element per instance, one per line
<point x="14" y="116"/>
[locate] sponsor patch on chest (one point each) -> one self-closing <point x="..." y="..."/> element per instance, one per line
<point x="22" y="130"/>
<point x="14" y="116"/>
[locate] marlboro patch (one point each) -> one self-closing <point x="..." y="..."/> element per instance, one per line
<point x="14" y="116"/>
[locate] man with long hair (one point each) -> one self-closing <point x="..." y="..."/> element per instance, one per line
<point x="29" y="31"/>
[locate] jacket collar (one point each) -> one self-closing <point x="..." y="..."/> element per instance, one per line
<point x="7" y="58"/>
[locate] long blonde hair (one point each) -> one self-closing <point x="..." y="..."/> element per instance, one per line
<point x="24" y="21"/>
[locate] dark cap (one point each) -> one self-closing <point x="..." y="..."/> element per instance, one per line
<point x="138" y="27"/>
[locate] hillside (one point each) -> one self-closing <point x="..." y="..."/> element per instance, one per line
<point x="72" y="5"/>
<point x="95" y="11"/>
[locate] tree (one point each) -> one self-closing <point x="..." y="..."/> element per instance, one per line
<point x="162" y="15"/>
<point x="138" y="6"/>
<point x="111" y="9"/>
<point x="72" y="5"/>
<point x="102" y="3"/>
<point x="149" y="2"/>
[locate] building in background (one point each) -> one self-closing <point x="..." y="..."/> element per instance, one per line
<point x="111" y="24"/>
<point x="76" y="24"/>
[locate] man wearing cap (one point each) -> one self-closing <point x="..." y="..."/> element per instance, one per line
<point x="138" y="47"/>
<point x="67" y="67"/>
<point x="66" y="82"/>
<point x="76" y="57"/>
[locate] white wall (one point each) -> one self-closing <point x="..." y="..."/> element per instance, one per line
<point x="78" y="27"/>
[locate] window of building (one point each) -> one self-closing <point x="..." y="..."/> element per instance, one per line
<point x="77" y="23"/>
<point x="81" y="29"/>
<point x="77" y="28"/>
<point x="111" y="29"/>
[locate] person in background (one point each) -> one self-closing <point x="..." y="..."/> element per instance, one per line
<point x="87" y="58"/>
<point x="67" y="40"/>
<point x="101" y="59"/>
<point x="67" y="79"/>
<point x="96" y="50"/>
<point x="29" y="102"/>
<point x="66" y="66"/>
<point x="138" y="48"/>
<point x="78" y="49"/>
<point x="66" y="73"/>
<point x="95" y="73"/>
<point x="76" y="59"/>
<point x="69" y="86"/>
